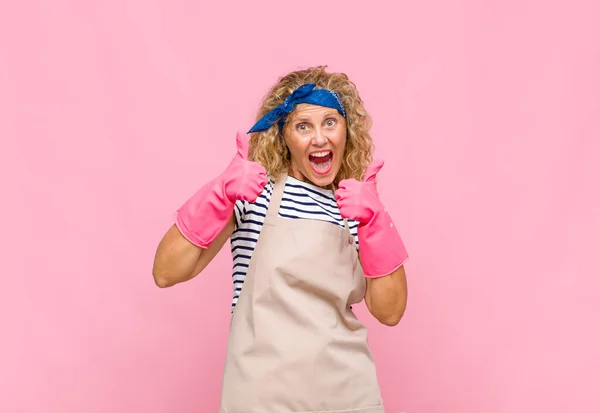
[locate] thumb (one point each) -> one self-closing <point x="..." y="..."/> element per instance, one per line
<point x="373" y="169"/>
<point x="243" y="144"/>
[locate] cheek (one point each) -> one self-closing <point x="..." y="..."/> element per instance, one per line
<point x="339" y="140"/>
<point x="296" y="146"/>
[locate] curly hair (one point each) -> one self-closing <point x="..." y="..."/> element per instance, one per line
<point x="268" y="147"/>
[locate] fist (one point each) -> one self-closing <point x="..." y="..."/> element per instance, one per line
<point x="359" y="200"/>
<point x="243" y="180"/>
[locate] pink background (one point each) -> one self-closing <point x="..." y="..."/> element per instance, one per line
<point x="487" y="113"/>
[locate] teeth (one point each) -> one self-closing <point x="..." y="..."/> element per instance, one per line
<point x="320" y="154"/>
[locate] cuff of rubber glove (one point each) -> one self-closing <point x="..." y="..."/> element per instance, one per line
<point x="386" y="273"/>
<point x="381" y="248"/>
<point x="188" y="233"/>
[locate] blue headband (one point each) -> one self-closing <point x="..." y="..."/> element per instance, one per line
<point x="304" y="94"/>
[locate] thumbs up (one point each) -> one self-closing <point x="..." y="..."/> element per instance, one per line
<point x="381" y="250"/>
<point x="373" y="169"/>
<point x="244" y="180"/>
<point x="243" y="144"/>
<point x="358" y="200"/>
<point x="204" y="215"/>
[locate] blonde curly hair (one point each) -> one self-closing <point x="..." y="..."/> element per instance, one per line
<point x="268" y="147"/>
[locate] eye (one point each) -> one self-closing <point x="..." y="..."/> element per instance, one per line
<point x="330" y="122"/>
<point x="302" y="127"/>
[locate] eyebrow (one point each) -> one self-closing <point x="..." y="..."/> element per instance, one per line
<point x="305" y="118"/>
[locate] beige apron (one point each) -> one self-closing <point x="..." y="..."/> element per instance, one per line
<point x="295" y="345"/>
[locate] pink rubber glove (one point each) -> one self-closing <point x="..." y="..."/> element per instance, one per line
<point x="381" y="248"/>
<point x="207" y="212"/>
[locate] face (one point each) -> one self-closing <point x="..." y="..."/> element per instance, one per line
<point x="316" y="138"/>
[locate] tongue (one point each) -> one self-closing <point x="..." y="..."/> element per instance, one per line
<point x="320" y="159"/>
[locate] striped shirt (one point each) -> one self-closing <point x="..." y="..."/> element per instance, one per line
<point x="299" y="200"/>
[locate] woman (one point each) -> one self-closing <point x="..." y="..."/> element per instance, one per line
<point x="309" y="238"/>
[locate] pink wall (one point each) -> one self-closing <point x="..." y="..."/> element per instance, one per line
<point x="488" y="116"/>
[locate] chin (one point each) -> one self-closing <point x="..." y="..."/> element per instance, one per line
<point x="322" y="181"/>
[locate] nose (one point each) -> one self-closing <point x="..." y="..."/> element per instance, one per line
<point x="319" y="138"/>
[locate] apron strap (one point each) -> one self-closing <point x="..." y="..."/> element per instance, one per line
<point x="346" y="225"/>
<point x="275" y="202"/>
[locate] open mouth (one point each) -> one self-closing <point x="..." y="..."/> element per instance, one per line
<point x="321" y="162"/>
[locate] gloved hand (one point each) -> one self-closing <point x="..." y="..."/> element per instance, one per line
<point x="380" y="247"/>
<point x="206" y="213"/>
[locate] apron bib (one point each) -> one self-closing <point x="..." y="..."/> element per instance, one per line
<point x="295" y="345"/>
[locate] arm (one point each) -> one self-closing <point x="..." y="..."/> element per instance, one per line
<point x="205" y="221"/>
<point x="386" y="297"/>
<point x="178" y="260"/>
<point x="381" y="251"/>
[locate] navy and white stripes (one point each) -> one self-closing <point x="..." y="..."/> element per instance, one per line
<point x="301" y="200"/>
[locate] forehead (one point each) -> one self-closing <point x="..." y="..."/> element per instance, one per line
<point x="307" y="109"/>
